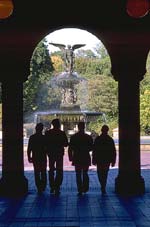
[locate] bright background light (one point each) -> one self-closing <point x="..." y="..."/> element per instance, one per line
<point x="72" y="36"/>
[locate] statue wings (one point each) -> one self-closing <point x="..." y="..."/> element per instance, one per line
<point x="62" y="46"/>
<point x="76" y="46"/>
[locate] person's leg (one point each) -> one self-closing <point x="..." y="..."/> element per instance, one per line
<point x="78" y="179"/>
<point x="37" y="175"/>
<point x="102" y="172"/>
<point x="59" y="174"/>
<point x="37" y="179"/>
<point x="85" y="179"/>
<point x="51" y="174"/>
<point x="43" y="179"/>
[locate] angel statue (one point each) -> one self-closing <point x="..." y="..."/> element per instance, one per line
<point x="69" y="56"/>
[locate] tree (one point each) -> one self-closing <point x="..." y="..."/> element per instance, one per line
<point x="103" y="94"/>
<point x="41" y="69"/>
<point x="93" y="63"/>
<point x="57" y="63"/>
<point x="145" y="100"/>
<point x="104" y="58"/>
<point x="81" y="53"/>
<point x="145" y="110"/>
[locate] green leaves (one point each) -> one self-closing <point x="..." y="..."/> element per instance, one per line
<point x="145" y="99"/>
<point x="145" y="110"/>
<point x="41" y="72"/>
<point x="103" y="95"/>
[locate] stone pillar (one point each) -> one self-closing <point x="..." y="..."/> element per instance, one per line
<point x="13" y="181"/>
<point x="129" y="180"/>
<point x="128" y="66"/>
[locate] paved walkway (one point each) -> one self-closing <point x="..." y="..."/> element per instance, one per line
<point x="70" y="210"/>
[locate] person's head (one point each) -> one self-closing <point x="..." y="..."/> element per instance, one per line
<point x="39" y="127"/>
<point x="56" y="123"/>
<point x="81" y="126"/>
<point x="104" y="129"/>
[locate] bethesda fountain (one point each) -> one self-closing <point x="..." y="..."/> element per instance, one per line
<point x="69" y="113"/>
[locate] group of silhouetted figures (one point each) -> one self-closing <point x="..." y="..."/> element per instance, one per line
<point x="80" y="147"/>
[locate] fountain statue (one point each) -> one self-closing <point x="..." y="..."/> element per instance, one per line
<point x="68" y="55"/>
<point x="68" y="79"/>
<point x="69" y="112"/>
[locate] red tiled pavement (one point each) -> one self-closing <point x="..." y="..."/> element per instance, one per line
<point x="145" y="161"/>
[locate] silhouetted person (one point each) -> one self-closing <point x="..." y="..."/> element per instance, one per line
<point x="79" y="153"/>
<point x="104" y="154"/>
<point x="37" y="155"/>
<point x="56" y="140"/>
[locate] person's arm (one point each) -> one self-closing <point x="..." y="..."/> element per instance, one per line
<point x="46" y="142"/>
<point x="91" y="144"/>
<point x="94" y="153"/>
<point x="93" y="158"/>
<point x="71" y="149"/>
<point x="29" y="151"/>
<point x="113" y="154"/>
<point x="70" y="154"/>
<point x="65" y="140"/>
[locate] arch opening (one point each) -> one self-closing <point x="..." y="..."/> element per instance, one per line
<point x="97" y="95"/>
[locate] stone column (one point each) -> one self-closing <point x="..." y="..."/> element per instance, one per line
<point x="13" y="181"/>
<point x="129" y="180"/>
<point x="128" y="66"/>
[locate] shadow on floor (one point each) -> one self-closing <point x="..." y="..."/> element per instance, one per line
<point x="70" y="210"/>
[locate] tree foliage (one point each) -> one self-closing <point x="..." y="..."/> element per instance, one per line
<point x="81" y="53"/>
<point x="145" y="110"/>
<point x="145" y="100"/>
<point x="93" y="63"/>
<point x="103" y="95"/>
<point x="57" y="63"/>
<point x="41" y="69"/>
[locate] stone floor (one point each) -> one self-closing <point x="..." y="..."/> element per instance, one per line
<point x="70" y="210"/>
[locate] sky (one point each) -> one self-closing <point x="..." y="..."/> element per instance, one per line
<point x="72" y="36"/>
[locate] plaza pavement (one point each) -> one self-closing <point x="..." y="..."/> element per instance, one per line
<point x="69" y="210"/>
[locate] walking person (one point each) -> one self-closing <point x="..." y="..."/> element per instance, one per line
<point x="56" y="140"/>
<point x="104" y="155"/>
<point x="36" y="153"/>
<point x="79" y="153"/>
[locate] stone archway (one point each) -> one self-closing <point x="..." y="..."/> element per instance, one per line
<point x="127" y="43"/>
